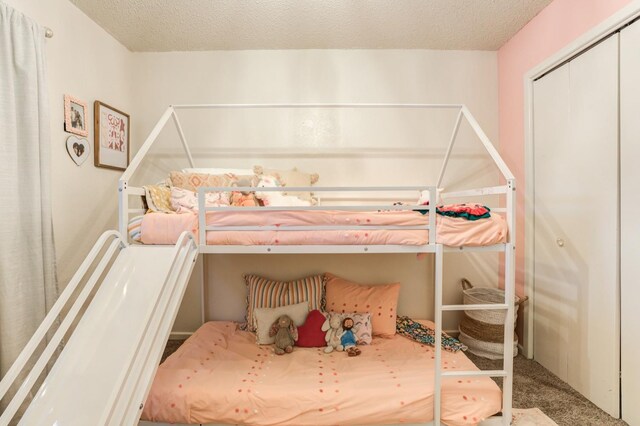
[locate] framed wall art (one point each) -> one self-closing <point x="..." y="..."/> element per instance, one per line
<point x="111" y="144"/>
<point x="75" y="116"/>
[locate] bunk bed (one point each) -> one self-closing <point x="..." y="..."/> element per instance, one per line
<point x="287" y="229"/>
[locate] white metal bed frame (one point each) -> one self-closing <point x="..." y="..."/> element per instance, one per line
<point x="508" y="190"/>
<point x="130" y="390"/>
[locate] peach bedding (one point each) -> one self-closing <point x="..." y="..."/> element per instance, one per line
<point x="162" y="228"/>
<point x="220" y="375"/>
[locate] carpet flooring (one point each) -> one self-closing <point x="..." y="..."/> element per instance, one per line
<point x="533" y="386"/>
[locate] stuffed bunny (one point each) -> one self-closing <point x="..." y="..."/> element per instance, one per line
<point x="333" y="326"/>
<point x="286" y="334"/>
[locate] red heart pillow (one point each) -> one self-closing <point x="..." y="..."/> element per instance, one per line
<point x="310" y="334"/>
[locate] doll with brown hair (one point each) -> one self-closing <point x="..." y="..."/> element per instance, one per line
<point x="348" y="338"/>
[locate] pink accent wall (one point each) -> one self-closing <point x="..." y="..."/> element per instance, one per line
<point x="552" y="29"/>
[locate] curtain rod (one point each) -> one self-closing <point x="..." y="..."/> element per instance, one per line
<point x="48" y="32"/>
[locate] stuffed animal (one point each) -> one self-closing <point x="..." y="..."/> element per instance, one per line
<point x="275" y="198"/>
<point x="424" y="198"/>
<point x="286" y="334"/>
<point x="243" y="198"/>
<point x="348" y="339"/>
<point x="333" y="326"/>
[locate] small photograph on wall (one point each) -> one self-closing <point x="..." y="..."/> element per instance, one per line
<point x="111" y="142"/>
<point x="75" y="116"/>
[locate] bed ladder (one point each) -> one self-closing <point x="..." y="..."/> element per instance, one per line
<point x="507" y="367"/>
<point x="103" y="373"/>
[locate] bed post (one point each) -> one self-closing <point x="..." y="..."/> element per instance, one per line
<point x="123" y="208"/>
<point x="437" y="400"/>
<point x="509" y="295"/>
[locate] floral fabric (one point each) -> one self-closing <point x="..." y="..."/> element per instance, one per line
<point x="413" y="330"/>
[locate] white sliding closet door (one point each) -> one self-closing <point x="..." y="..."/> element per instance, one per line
<point x="576" y="311"/>
<point x="630" y="221"/>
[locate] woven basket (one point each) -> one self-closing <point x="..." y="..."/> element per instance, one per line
<point x="480" y="296"/>
<point x="486" y="349"/>
<point x="483" y="330"/>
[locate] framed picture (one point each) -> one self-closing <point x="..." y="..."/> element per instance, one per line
<point x="75" y="116"/>
<point x="111" y="144"/>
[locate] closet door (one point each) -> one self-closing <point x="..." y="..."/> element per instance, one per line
<point x="629" y="221"/>
<point x="576" y="314"/>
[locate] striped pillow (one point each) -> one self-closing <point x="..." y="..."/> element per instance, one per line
<point x="265" y="293"/>
<point x="134" y="227"/>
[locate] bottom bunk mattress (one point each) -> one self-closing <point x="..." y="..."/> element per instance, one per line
<point x="220" y="375"/>
<point x="162" y="228"/>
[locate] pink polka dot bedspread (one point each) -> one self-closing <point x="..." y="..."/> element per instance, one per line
<point x="162" y="228"/>
<point x="220" y="375"/>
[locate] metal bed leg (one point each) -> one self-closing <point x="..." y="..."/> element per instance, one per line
<point x="437" y="399"/>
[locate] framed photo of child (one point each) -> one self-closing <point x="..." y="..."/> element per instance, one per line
<point x="75" y="116"/>
<point x="111" y="140"/>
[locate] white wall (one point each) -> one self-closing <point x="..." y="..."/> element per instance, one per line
<point x="83" y="60"/>
<point x="323" y="76"/>
<point x="86" y="62"/>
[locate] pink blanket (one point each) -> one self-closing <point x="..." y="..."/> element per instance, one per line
<point x="162" y="228"/>
<point x="220" y="375"/>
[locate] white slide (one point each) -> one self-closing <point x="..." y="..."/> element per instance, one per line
<point x="105" y="370"/>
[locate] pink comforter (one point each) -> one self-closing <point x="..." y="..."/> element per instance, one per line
<point x="220" y="375"/>
<point x="162" y="228"/>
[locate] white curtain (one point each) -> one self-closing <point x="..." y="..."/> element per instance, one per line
<point x="28" y="285"/>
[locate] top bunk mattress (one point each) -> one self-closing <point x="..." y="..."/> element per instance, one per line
<point x="163" y="228"/>
<point x="220" y="375"/>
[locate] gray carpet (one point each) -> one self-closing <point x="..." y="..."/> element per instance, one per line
<point x="533" y="386"/>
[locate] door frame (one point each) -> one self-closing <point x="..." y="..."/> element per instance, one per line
<point x="610" y="25"/>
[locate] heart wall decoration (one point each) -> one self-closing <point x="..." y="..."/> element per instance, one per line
<point x="78" y="149"/>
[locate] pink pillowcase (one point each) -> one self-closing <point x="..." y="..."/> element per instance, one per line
<point x="381" y="301"/>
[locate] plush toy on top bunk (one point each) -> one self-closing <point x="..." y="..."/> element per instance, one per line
<point x="275" y="198"/>
<point x="286" y="334"/>
<point x="243" y="198"/>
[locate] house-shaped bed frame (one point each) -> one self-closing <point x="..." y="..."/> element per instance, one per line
<point x="114" y="394"/>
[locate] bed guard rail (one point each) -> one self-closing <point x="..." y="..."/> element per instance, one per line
<point x="202" y="209"/>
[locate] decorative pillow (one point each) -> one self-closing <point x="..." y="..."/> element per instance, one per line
<point x="134" y="228"/>
<point x="310" y="334"/>
<point x="183" y="200"/>
<point x="192" y="181"/>
<point x="361" y="325"/>
<point x="379" y="300"/>
<point x="291" y="178"/>
<point x="265" y="317"/>
<point x="265" y="293"/>
<point x="158" y="198"/>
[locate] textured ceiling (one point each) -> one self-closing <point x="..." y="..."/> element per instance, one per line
<point x="166" y="25"/>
